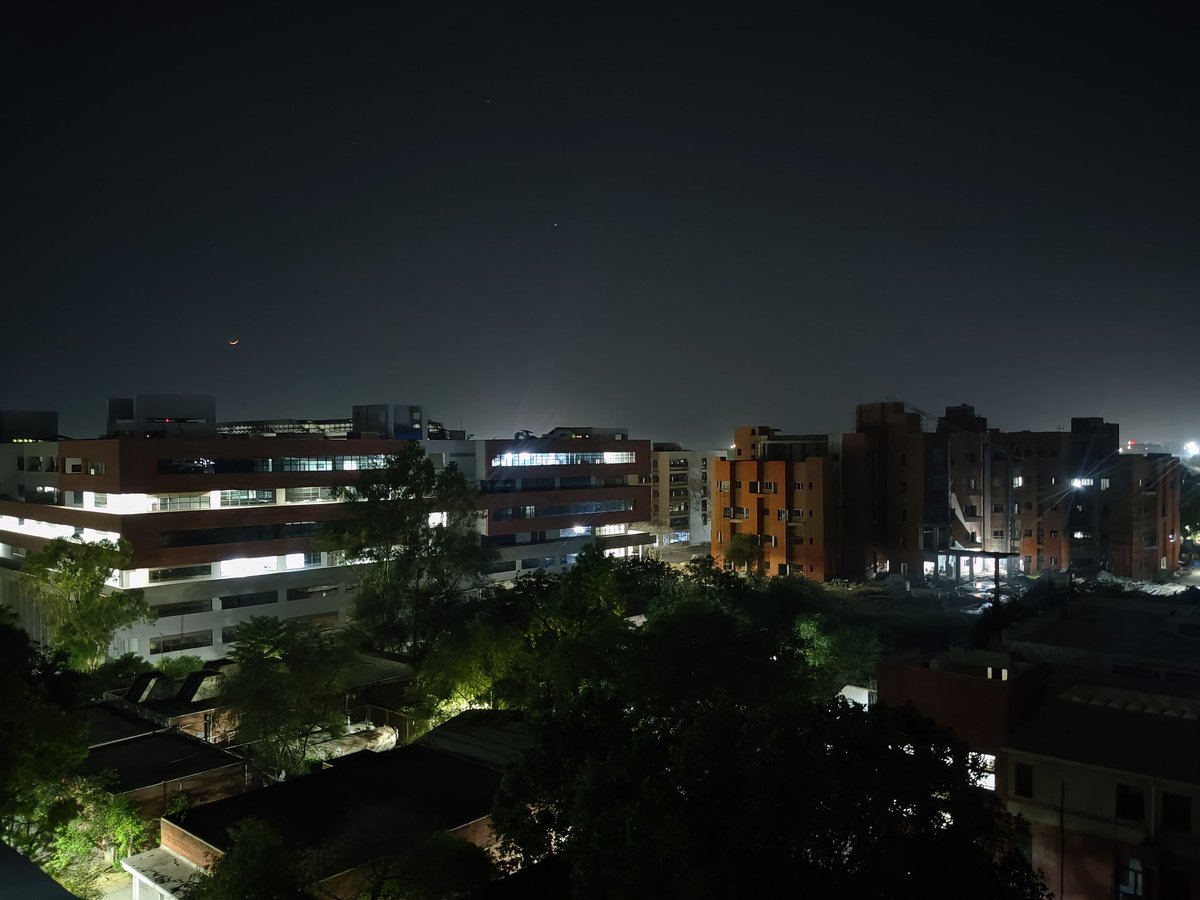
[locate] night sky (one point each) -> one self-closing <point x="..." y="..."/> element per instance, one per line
<point x="676" y="218"/>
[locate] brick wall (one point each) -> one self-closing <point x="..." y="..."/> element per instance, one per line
<point x="177" y="840"/>
<point x="203" y="788"/>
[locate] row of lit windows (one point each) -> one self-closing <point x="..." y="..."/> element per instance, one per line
<point x="561" y="458"/>
<point x="236" y="465"/>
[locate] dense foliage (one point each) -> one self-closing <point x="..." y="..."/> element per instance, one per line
<point x="701" y="754"/>
<point x="286" y="691"/>
<point x="414" y="530"/>
<point x="48" y="812"/>
<point x="69" y="580"/>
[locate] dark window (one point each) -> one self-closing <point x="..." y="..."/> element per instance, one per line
<point x="1177" y="813"/>
<point x="238" y="534"/>
<point x="497" y="540"/>
<point x="498" y="486"/>
<point x="258" y="598"/>
<point x="316" y="590"/>
<point x="180" y="572"/>
<point x="1022" y="780"/>
<point x="537" y="484"/>
<point x="185" y="608"/>
<point x="1176" y="885"/>
<point x="586" y="507"/>
<point x="1131" y="803"/>
<point x="187" y="641"/>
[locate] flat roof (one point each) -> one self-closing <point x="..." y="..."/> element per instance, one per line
<point x="1134" y="630"/>
<point x="21" y="877"/>
<point x="154" y="758"/>
<point x="358" y="805"/>
<point x="1125" y="740"/>
<point x="106" y="724"/>
<point x="490" y="737"/>
<point x="165" y="869"/>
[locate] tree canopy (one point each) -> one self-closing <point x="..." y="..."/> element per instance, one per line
<point x="703" y="754"/>
<point x="48" y="812"/>
<point x="413" y="526"/>
<point x="286" y="690"/>
<point x="82" y="611"/>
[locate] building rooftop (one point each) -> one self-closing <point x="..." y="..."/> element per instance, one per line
<point x="360" y="800"/>
<point x="1128" y="740"/>
<point x="106" y="724"/>
<point x="151" y="759"/>
<point x="1139" y="632"/>
<point x="490" y="737"/>
<point x="169" y="871"/>
<point x="21" y="877"/>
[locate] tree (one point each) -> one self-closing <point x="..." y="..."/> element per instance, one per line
<point x="402" y="863"/>
<point x="179" y="667"/>
<point x="437" y="867"/>
<point x="414" y="529"/>
<point x="70" y="580"/>
<point x="258" y="866"/>
<point x="41" y="744"/>
<point x="102" y="822"/>
<point x="686" y="758"/>
<point x="474" y="665"/>
<point x="743" y="551"/>
<point x="286" y="690"/>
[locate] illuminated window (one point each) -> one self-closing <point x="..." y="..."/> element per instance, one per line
<point x="1082" y="482"/>
<point x="522" y="458"/>
<point x="308" y="495"/>
<point x="247" y="498"/>
<point x="986" y="779"/>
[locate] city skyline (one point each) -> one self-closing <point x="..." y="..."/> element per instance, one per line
<point x="527" y="217"/>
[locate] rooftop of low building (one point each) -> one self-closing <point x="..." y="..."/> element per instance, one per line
<point x="360" y="800"/>
<point x="151" y="759"/>
<point x="1099" y="730"/>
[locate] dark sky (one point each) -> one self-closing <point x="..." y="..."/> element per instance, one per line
<point x="672" y="217"/>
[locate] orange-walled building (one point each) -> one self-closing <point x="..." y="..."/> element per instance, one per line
<point x="892" y="497"/>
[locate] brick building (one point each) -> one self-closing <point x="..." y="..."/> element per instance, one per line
<point x="1092" y="714"/>
<point x="893" y="497"/>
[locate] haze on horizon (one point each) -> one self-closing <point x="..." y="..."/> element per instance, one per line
<point x="623" y="214"/>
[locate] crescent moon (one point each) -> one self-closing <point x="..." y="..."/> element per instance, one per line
<point x="234" y="342"/>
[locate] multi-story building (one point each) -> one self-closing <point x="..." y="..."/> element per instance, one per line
<point x="787" y="492"/>
<point x="546" y="498"/>
<point x="679" y="503"/>
<point x="955" y="501"/>
<point x="1088" y="715"/>
<point x="222" y="526"/>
